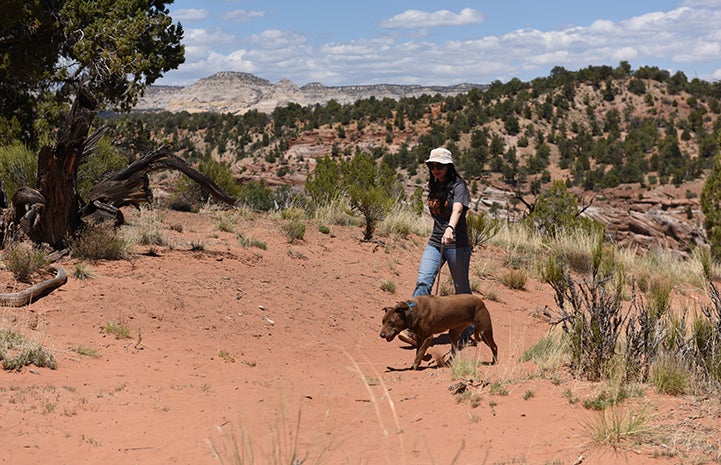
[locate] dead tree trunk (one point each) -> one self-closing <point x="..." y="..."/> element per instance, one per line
<point x="58" y="210"/>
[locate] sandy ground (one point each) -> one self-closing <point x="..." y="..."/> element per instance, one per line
<point x="256" y="356"/>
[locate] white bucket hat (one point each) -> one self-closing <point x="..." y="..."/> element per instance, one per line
<point x="440" y="155"/>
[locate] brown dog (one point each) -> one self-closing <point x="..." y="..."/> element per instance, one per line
<point x="427" y="315"/>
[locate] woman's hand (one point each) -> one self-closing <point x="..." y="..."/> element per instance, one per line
<point x="449" y="235"/>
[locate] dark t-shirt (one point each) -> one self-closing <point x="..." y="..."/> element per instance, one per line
<point x="441" y="208"/>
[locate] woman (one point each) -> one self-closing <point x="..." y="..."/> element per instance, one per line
<point x="448" y="200"/>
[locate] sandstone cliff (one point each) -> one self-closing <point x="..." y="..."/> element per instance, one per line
<point x="236" y="93"/>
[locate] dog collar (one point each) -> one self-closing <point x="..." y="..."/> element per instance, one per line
<point x="411" y="304"/>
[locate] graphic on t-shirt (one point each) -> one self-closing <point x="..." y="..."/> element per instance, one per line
<point x="436" y="206"/>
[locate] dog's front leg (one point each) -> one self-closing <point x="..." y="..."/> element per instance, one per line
<point x="421" y="351"/>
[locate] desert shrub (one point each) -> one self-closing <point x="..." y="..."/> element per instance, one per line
<point x="464" y="368"/>
<point x="18" y="167"/>
<point x="294" y="230"/>
<point x="555" y="210"/>
<point x="591" y="314"/>
<point x="372" y="189"/>
<point x="707" y="344"/>
<point x="17" y="351"/>
<point x="246" y="242"/>
<point x="388" y="286"/>
<point x="117" y="329"/>
<point x="82" y="271"/>
<point x="616" y="424"/>
<point x="481" y="228"/>
<point x="548" y="353"/>
<point x="256" y="196"/>
<point x="323" y="185"/>
<point x="100" y="241"/>
<point x="514" y="279"/>
<point x="23" y="259"/>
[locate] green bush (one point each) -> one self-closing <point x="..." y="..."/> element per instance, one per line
<point x="255" y="195"/>
<point x="373" y="190"/>
<point x="18" y="168"/>
<point x="481" y="228"/>
<point x="294" y="230"/>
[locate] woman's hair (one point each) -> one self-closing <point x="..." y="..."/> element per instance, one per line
<point x="434" y="185"/>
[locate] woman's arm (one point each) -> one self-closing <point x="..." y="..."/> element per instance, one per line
<point x="449" y="235"/>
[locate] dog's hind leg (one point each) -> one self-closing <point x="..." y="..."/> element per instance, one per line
<point x="487" y="338"/>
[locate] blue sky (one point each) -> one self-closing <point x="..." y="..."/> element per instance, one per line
<point x="433" y="42"/>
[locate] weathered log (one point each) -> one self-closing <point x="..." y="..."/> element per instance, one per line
<point x="129" y="186"/>
<point x="22" y="298"/>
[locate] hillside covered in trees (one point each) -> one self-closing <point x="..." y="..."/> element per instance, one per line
<point x="596" y="129"/>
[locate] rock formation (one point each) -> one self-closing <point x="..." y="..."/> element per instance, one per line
<point x="236" y="93"/>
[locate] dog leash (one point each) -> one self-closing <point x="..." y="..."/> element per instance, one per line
<point x="438" y="272"/>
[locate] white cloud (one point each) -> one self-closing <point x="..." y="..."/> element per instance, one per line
<point x="277" y="39"/>
<point x="242" y="16"/>
<point x="190" y="14"/>
<point x="422" y="19"/>
<point x="665" y="39"/>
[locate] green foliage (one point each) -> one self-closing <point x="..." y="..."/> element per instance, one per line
<point x="294" y="230"/>
<point x="120" y="46"/>
<point x="481" y="228"/>
<point x="514" y="279"/>
<point x="18" y="168"/>
<point x="555" y="210"/>
<point x="104" y="160"/>
<point x="670" y="376"/>
<point x="373" y="189"/>
<point x="711" y="207"/>
<point x="324" y="184"/>
<point x="591" y="314"/>
<point x="388" y="286"/>
<point x="255" y="195"/>
<point x="117" y="329"/>
<point x="116" y="47"/>
<point x="189" y="195"/>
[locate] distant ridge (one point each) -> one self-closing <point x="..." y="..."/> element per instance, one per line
<point x="237" y="93"/>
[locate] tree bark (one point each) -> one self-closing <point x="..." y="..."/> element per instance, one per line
<point x="57" y="176"/>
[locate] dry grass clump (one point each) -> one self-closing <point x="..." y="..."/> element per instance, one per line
<point x="17" y="351"/>
<point x="23" y="259"/>
<point x="100" y="241"/>
<point x="402" y="221"/>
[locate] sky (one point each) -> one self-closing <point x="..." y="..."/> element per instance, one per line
<point x="434" y="42"/>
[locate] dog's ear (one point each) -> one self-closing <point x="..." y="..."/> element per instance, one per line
<point x="402" y="307"/>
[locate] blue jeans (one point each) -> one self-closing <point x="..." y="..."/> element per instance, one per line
<point x="459" y="261"/>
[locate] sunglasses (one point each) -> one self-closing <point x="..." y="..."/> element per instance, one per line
<point x="436" y="166"/>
